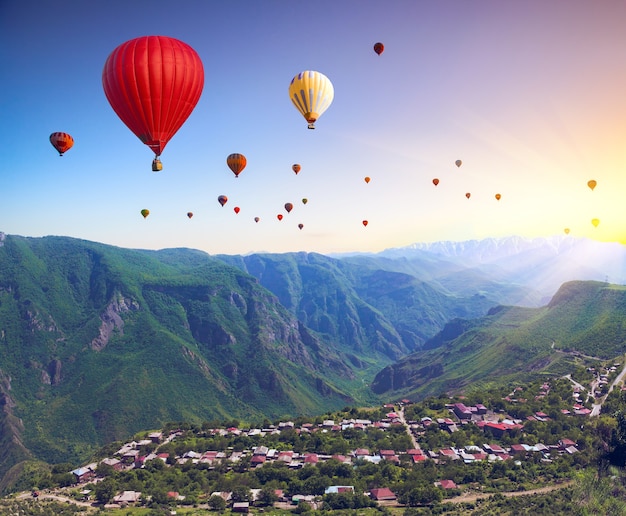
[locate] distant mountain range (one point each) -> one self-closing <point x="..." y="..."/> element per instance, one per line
<point x="542" y="264"/>
<point x="98" y="342"/>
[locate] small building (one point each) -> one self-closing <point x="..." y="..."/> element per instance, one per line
<point x="241" y="507"/>
<point x="382" y="493"/>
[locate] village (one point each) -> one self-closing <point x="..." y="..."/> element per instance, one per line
<point x="496" y="427"/>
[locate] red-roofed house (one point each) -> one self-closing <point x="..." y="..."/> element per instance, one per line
<point x="446" y="484"/>
<point x="382" y="493"/>
<point x="311" y="458"/>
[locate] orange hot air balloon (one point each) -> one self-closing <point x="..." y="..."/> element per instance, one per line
<point x="236" y="209"/>
<point x="435" y="181"/>
<point x="498" y="197"/>
<point x="365" y="222"/>
<point x="300" y="226"/>
<point x="379" y="48"/>
<point x="236" y="162"/>
<point x="468" y="195"/>
<point x="62" y="142"/>
<point x="367" y="179"/>
<point x="305" y="200"/>
<point x="566" y="231"/>
<point x="592" y="184"/>
<point x="296" y="168"/>
<point x="222" y="199"/>
<point x="458" y="162"/>
<point x="153" y="83"/>
<point x="256" y="219"/>
<point x="288" y="207"/>
<point x="189" y="214"/>
<point x="279" y="216"/>
<point x="145" y="213"/>
<point x="595" y="222"/>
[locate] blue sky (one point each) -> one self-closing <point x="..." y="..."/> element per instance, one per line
<point x="529" y="95"/>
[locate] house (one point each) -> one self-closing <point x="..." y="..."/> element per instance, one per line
<point x="257" y="460"/>
<point x="225" y="495"/>
<point x="83" y="475"/>
<point x="446" y="484"/>
<point x="156" y="437"/>
<point x="461" y="411"/>
<point x="382" y="493"/>
<point x="127" y="497"/>
<point x="241" y="507"/>
<point x="339" y="489"/>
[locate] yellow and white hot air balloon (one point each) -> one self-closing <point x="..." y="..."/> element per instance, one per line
<point x="311" y="92"/>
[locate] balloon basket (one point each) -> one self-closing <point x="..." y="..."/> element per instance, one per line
<point x="157" y="166"/>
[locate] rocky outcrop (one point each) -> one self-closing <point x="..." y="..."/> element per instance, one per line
<point x="112" y="320"/>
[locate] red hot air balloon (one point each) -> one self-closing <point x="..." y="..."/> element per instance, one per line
<point x="435" y="181"/>
<point x="279" y="216"/>
<point x="379" y="48"/>
<point x="236" y="162"/>
<point x="237" y="209"/>
<point x="222" y="199"/>
<point x="468" y="195"/>
<point x="288" y="207"/>
<point x="365" y="222"/>
<point x="153" y="84"/>
<point x="296" y="168"/>
<point x="62" y="142"/>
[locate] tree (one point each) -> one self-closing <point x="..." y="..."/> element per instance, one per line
<point x="105" y="490"/>
<point x="267" y="496"/>
<point x="217" y="503"/>
<point x="241" y="493"/>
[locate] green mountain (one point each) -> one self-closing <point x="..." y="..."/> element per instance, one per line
<point x="514" y="343"/>
<point x="385" y="308"/>
<point x="98" y="342"/>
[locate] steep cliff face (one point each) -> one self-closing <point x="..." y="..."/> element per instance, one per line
<point x="100" y="342"/>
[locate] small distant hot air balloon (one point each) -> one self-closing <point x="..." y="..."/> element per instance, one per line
<point x="435" y="181"/>
<point x="279" y="216"/>
<point x="458" y="162"/>
<point x="592" y="184"/>
<point x="296" y="168"/>
<point x="153" y="83"/>
<point x="222" y="199"/>
<point x="189" y="214"/>
<point x="288" y="207"/>
<point x="595" y="222"/>
<point x="365" y="222"/>
<point x="236" y="162"/>
<point x="300" y="225"/>
<point x="498" y="197"/>
<point x="566" y="231"/>
<point x="256" y="219"/>
<point x="367" y="179"/>
<point x="62" y="142"/>
<point x="379" y="48"/>
<point x="305" y="200"/>
<point x="468" y="195"/>
<point x="145" y="213"/>
<point x="311" y="93"/>
<point x="236" y="209"/>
